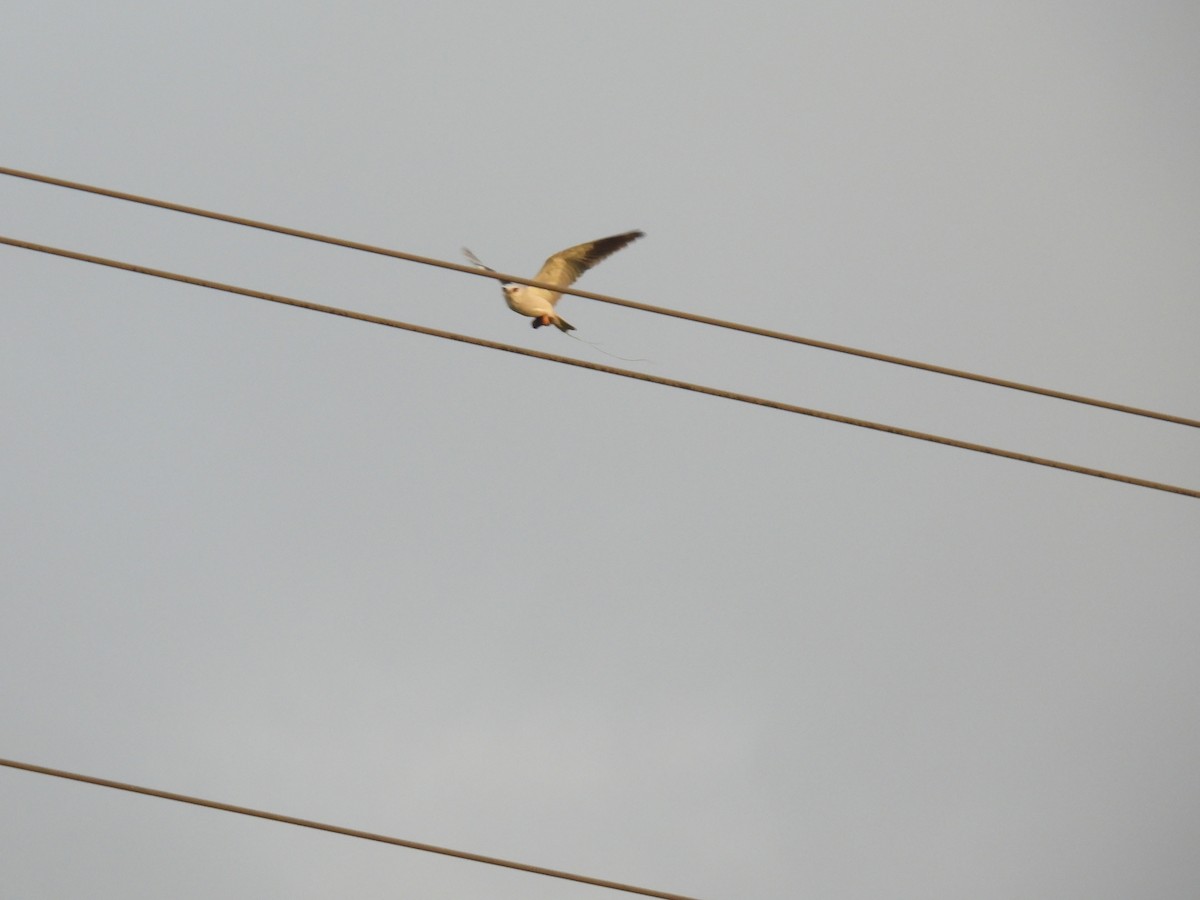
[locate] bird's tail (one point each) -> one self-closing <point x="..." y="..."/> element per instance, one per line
<point x="563" y="325"/>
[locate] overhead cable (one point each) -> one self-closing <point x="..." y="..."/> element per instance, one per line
<point x="598" y="367"/>
<point x="338" y="829"/>
<point x="605" y="298"/>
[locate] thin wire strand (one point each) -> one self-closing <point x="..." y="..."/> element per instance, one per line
<point x="605" y="298"/>
<point x="598" y="367"/>
<point x="338" y="829"/>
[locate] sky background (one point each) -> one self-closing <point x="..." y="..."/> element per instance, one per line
<point x="350" y="574"/>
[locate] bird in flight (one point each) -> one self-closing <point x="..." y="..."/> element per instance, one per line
<point x="561" y="270"/>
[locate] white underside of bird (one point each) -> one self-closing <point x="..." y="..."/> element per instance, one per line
<point x="562" y="270"/>
<point x="530" y="301"/>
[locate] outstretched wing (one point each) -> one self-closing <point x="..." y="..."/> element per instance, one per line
<point x="564" y="267"/>
<point x="474" y="260"/>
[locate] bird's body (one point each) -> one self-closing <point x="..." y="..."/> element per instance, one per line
<point x="530" y="301"/>
<point x="562" y="270"/>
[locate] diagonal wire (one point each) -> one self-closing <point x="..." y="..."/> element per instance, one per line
<point x="605" y="298"/>
<point x="598" y="367"/>
<point x="338" y="829"/>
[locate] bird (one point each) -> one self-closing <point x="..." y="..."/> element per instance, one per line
<point x="561" y="270"/>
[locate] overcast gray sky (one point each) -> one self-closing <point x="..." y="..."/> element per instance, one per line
<point x="361" y="576"/>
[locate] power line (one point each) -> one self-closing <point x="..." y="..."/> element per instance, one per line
<point x="338" y="829"/>
<point x="605" y="298"/>
<point x="598" y="367"/>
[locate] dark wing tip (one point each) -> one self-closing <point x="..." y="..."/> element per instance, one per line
<point x="605" y="247"/>
<point x="475" y="260"/>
